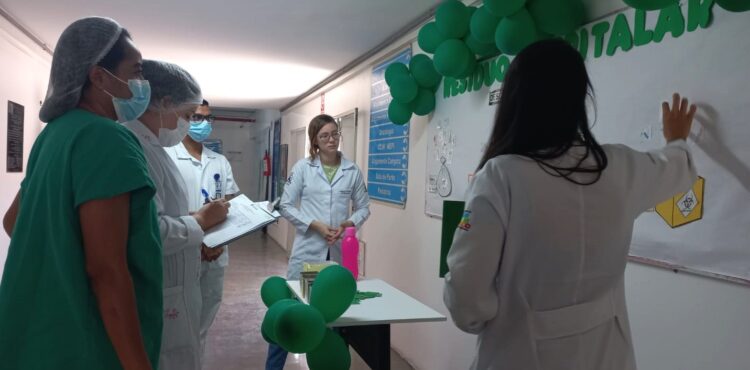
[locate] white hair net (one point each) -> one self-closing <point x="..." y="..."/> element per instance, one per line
<point x="81" y="46"/>
<point x="169" y="80"/>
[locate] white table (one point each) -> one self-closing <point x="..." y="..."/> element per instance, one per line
<point x="367" y="326"/>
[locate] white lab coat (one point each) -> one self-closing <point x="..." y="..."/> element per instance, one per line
<point x="331" y="203"/>
<point x="537" y="263"/>
<point x="181" y="240"/>
<point x="200" y="175"/>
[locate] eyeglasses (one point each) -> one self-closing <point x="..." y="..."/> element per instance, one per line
<point x="199" y="117"/>
<point x="326" y="137"/>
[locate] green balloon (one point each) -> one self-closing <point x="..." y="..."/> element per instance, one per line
<point x="557" y="17"/>
<point x="479" y="48"/>
<point x="734" y="5"/>
<point x="399" y="113"/>
<point x="469" y="69"/>
<point x="424" y="72"/>
<point x="334" y="287"/>
<point x="331" y="354"/>
<point x="429" y="38"/>
<point x="404" y="88"/>
<point x="393" y="70"/>
<point x="299" y="328"/>
<point x="483" y="25"/>
<point x="452" y="58"/>
<point x="651" y="4"/>
<point x="515" y="33"/>
<point x="273" y="290"/>
<point x="424" y="104"/>
<point x="452" y="19"/>
<point x="269" y="320"/>
<point x="504" y="8"/>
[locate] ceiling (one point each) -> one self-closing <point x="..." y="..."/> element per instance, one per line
<point x="244" y="53"/>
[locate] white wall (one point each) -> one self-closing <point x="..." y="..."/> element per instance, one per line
<point x="24" y="71"/>
<point x="679" y="321"/>
<point x="244" y="144"/>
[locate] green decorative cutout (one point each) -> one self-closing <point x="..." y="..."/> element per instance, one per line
<point x="699" y="13"/>
<point x="598" y="31"/>
<point x="670" y="21"/>
<point x="641" y="36"/>
<point x="620" y="36"/>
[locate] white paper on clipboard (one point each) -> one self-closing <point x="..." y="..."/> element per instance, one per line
<point x="245" y="217"/>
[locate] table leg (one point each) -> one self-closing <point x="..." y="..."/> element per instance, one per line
<point x="372" y="343"/>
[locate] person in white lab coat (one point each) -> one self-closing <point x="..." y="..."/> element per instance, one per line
<point x="174" y="97"/>
<point x="538" y="260"/>
<point x="325" y="193"/>
<point x="208" y="176"/>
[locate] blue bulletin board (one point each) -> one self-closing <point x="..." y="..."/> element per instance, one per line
<point x="388" y="158"/>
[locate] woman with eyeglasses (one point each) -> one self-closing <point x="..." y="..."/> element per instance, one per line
<point x="325" y="194"/>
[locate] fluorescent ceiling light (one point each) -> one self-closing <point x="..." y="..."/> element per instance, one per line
<point x="237" y="79"/>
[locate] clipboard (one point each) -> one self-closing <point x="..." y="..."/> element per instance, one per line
<point x="244" y="218"/>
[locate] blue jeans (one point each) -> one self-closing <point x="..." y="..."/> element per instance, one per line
<point x="276" y="357"/>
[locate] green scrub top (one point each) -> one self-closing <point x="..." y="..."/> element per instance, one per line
<point x="330" y="171"/>
<point x="49" y="317"/>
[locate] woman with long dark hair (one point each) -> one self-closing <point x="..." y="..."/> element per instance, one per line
<point x="537" y="264"/>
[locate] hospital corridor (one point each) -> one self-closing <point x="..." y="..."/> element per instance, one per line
<point x="374" y="185"/>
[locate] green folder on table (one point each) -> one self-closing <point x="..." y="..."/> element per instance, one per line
<point x="452" y="212"/>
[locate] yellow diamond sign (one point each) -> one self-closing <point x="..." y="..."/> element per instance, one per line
<point x="684" y="208"/>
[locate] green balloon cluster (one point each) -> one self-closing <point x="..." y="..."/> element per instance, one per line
<point x="650" y="4"/>
<point x="429" y="38"/>
<point x="453" y="58"/>
<point x="333" y="292"/>
<point x="460" y="34"/>
<point x="331" y="354"/>
<point x="525" y="22"/>
<point x="504" y="8"/>
<point x="452" y="19"/>
<point x="301" y="328"/>
<point x="267" y="328"/>
<point x="557" y="17"/>
<point x="516" y="32"/>
<point x="734" y="5"/>
<point x="412" y="88"/>
<point x="483" y="25"/>
<point x="273" y="290"/>
<point x="399" y="113"/>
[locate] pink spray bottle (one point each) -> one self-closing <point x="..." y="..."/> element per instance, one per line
<point x="350" y="251"/>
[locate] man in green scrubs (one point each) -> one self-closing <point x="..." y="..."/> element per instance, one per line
<point x="82" y="285"/>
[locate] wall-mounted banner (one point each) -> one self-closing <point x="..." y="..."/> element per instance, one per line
<point x="388" y="157"/>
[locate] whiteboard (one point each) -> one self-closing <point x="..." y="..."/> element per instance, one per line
<point x="711" y="66"/>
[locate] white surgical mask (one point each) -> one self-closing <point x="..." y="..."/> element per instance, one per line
<point x="169" y="138"/>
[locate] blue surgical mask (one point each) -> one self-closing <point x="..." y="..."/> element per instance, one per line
<point x="200" y="131"/>
<point x="132" y="108"/>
